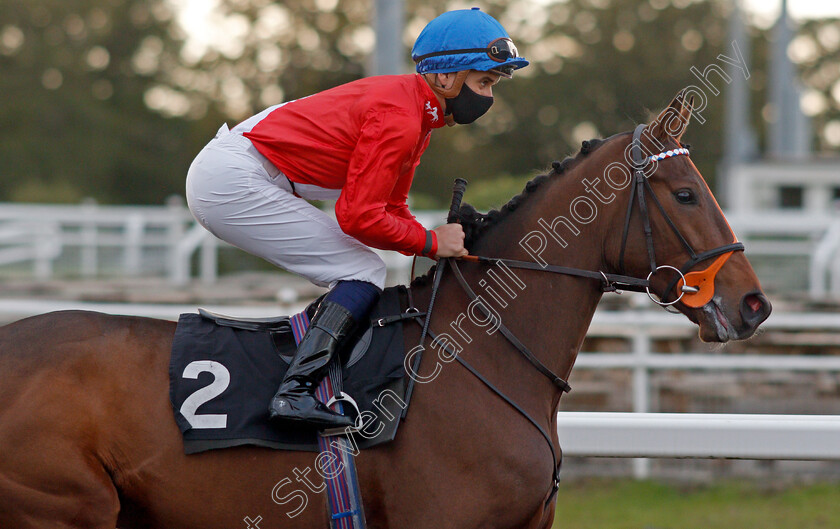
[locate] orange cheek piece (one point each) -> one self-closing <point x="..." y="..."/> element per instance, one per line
<point x="704" y="280"/>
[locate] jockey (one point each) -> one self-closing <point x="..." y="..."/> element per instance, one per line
<point x="358" y="144"/>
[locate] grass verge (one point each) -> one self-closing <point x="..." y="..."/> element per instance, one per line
<point x="627" y="504"/>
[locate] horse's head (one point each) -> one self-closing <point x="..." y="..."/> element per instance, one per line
<point x="674" y="226"/>
<point x="653" y="222"/>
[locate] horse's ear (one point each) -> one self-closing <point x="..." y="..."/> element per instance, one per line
<point x="672" y="121"/>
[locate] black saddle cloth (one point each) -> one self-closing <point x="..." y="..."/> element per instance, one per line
<point x="222" y="379"/>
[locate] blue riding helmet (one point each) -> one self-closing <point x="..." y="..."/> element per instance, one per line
<point x="466" y="39"/>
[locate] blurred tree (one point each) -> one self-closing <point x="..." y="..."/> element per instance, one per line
<point x="75" y="80"/>
<point x="111" y="97"/>
<point x="599" y="67"/>
<point x="273" y="52"/>
<point x="816" y="50"/>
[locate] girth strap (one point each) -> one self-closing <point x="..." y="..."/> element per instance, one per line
<point x="557" y="381"/>
<point x="396" y="318"/>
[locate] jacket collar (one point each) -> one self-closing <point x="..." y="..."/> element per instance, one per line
<point x="432" y="110"/>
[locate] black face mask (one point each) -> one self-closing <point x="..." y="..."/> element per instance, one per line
<point x="468" y="106"/>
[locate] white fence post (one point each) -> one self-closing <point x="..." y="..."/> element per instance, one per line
<point x="179" y="264"/>
<point x="89" y="238"/>
<point x="209" y="259"/>
<point x="132" y="255"/>
<point x="641" y="392"/>
<point x="181" y="255"/>
<point x="821" y="261"/>
<point x="47" y="248"/>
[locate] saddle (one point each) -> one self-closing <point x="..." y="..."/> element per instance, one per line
<point x="223" y="372"/>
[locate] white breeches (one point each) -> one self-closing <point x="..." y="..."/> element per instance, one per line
<point x="240" y="197"/>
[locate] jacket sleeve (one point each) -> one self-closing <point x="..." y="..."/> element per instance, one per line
<point x="372" y="205"/>
<point x="398" y="202"/>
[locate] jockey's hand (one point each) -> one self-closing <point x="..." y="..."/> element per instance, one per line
<point x="450" y="241"/>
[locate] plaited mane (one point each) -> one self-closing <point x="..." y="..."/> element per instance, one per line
<point x="476" y="223"/>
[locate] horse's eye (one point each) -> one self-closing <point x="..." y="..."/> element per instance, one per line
<point x="685" y="196"/>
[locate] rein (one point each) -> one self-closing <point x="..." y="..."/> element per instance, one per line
<point x="695" y="295"/>
<point x="423" y="319"/>
<point x="691" y="295"/>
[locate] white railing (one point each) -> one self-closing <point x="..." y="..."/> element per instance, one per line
<point x="663" y="430"/>
<point x="639" y="434"/>
<point x="699" y="435"/>
<point x="642" y="327"/>
<point x="41" y="234"/>
<point x="22" y="241"/>
<point x="756" y="186"/>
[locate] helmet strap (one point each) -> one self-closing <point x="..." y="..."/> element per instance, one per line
<point x="454" y="90"/>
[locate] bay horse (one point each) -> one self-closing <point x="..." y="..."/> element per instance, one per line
<point x="88" y="439"/>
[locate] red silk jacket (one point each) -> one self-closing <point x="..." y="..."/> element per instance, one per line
<point x="365" y="138"/>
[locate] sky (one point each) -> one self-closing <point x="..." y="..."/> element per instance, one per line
<point x="768" y="10"/>
<point x="196" y="16"/>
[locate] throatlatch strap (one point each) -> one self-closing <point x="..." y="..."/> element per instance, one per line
<point x="626" y="231"/>
<point x="639" y="163"/>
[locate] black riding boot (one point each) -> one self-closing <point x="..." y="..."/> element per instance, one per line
<point x="295" y="399"/>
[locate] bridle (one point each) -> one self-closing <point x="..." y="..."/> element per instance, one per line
<point x="696" y="288"/>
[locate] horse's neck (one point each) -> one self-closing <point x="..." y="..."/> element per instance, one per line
<point x="551" y="312"/>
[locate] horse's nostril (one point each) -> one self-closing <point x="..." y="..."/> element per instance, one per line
<point x="755" y="308"/>
<point x="754" y="302"/>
